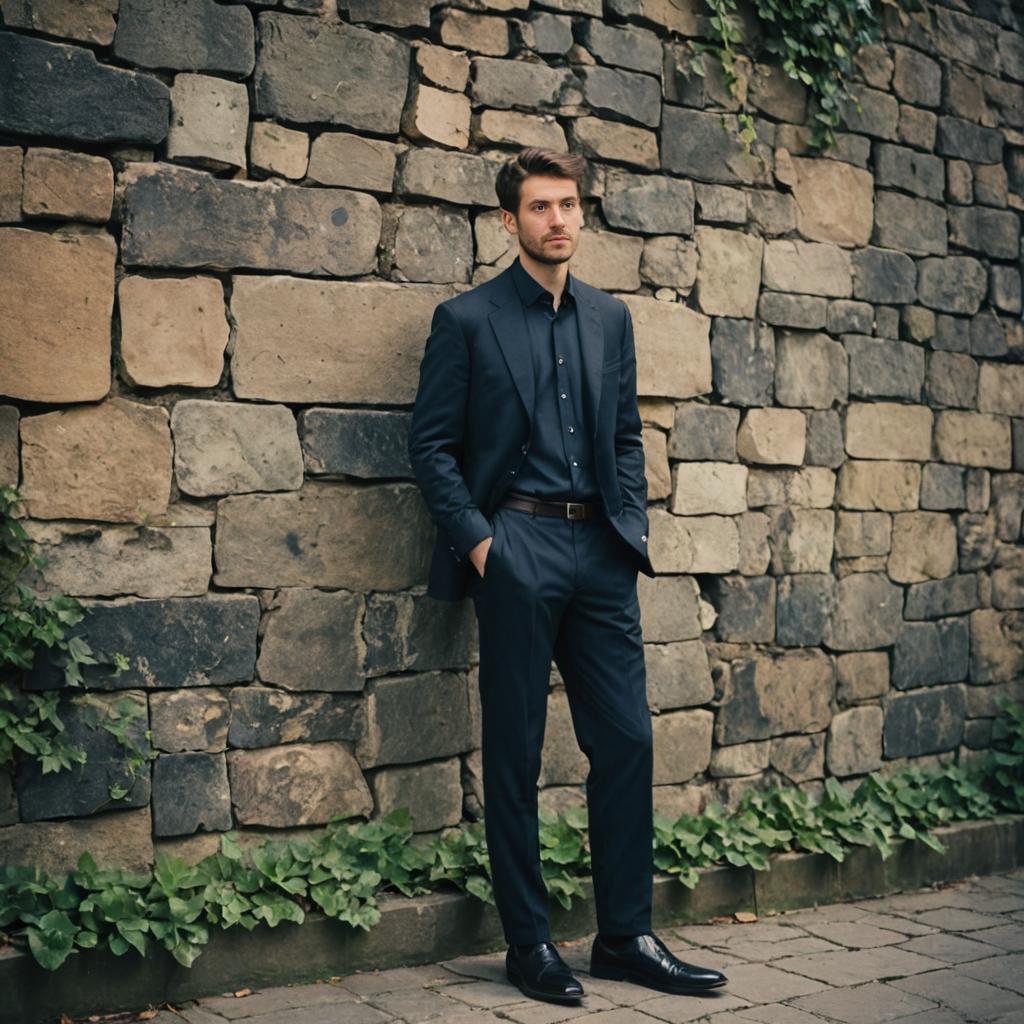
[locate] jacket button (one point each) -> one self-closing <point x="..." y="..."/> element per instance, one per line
<point x="643" y="536"/>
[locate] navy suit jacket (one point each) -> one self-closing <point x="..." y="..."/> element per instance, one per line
<point x="472" y="420"/>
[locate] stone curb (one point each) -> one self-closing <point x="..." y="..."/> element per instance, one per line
<point x="442" y="926"/>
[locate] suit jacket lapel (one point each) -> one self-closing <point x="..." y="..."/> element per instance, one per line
<point x="510" y="328"/>
<point x="591" y="330"/>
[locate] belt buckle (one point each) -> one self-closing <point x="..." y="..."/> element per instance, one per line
<point x="570" y="505"/>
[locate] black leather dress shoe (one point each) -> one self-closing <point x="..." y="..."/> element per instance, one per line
<point x="541" y="973"/>
<point x="646" y="960"/>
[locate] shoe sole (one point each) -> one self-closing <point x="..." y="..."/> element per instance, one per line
<point x="548" y="997"/>
<point x="619" y="974"/>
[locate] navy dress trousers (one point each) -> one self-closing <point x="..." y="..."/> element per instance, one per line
<point x="559" y="388"/>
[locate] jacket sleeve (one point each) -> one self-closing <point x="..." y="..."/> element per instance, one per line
<point x="437" y="433"/>
<point x="629" y="445"/>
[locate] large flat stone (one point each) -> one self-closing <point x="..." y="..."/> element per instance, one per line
<point x="56" y="90"/>
<point x="176" y="642"/>
<point x="186" y="35"/>
<point x="232" y="447"/>
<point x="263" y="716"/>
<point x="682" y="745"/>
<point x="519" y="83"/>
<point x="807" y="268"/>
<point x="997" y="646"/>
<point x="924" y="721"/>
<point x="56" y="298"/>
<point x="415" y="718"/>
<point x="867" y="613"/>
<point x="59" y="184"/>
<point x="326" y="535"/>
<point x="355" y="442"/>
<point x="651" y="204"/>
<point x="729" y="275"/>
<point x="110" y="461"/>
<point x="84" y="789"/>
<point x="697" y="144"/>
<point x="811" y="370"/>
<point x="412" y="632"/>
<point x="923" y="547"/>
<point x="122" y="838"/>
<point x="973" y="438"/>
<point x="678" y="675"/>
<point x="175" y="217"/>
<point x="673" y="352"/>
<point x="769" y="696"/>
<point x="173" y="330"/>
<point x="693" y="543"/>
<point x="743" y="361"/>
<point x="191" y="719"/>
<point x="92" y="22"/>
<point x="432" y="792"/>
<point x="834" y="201"/>
<point x="313" y="640"/>
<point x="296" y="784"/>
<point x="310" y="70"/>
<point x="190" y="792"/>
<point x="889" y="430"/>
<point x="289" y="348"/>
<point x="887" y="485"/>
<point x="952" y="284"/>
<point x="462" y="178"/>
<point x="931" y="652"/>
<point x="86" y="560"/>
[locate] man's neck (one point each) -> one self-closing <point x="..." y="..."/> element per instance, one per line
<point x="551" y="275"/>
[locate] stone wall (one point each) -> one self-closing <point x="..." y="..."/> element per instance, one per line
<point x="225" y="228"/>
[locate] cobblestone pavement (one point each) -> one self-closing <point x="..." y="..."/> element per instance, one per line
<point x="936" y="956"/>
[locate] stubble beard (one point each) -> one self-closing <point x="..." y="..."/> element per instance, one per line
<point x="538" y="253"/>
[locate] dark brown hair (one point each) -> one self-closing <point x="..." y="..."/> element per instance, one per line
<point x="535" y="160"/>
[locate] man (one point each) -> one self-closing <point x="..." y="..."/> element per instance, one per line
<point x="526" y="444"/>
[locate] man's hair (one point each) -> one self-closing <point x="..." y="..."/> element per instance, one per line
<point x="535" y="160"/>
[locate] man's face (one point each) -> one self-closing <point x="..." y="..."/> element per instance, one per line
<point x="549" y="218"/>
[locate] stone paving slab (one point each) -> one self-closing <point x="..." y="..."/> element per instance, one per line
<point x="942" y="955"/>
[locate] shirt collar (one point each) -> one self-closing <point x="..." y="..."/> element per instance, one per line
<point x="530" y="289"/>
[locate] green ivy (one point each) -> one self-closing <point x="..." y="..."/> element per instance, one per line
<point x="814" y="40"/>
<point x="34" y="633"/>
<point x="342" y="870"/>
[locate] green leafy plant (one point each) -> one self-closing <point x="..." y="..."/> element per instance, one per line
<point x="343" y="870"/>
<point x="36" y="634"/>
<point x="815" y="41"/>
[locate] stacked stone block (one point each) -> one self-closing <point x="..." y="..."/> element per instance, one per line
<point x="223" y="231"/>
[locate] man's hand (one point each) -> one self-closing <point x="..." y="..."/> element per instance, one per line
<point x="478" y="555"/>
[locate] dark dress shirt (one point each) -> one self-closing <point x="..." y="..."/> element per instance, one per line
<point x="559" y="464"/>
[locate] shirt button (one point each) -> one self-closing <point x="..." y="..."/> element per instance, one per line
<point x="572" y="431"/>
<point x="523" y="448"/>
<point x="574" y="462"/>
<point x="511" y="472"/>
<point x="560" y="360"/>
<point x="643" y="536"/>
<point x="562" y="395"/>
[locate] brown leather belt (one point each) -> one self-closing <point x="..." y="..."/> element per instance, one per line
<point x="562" y="509"/>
